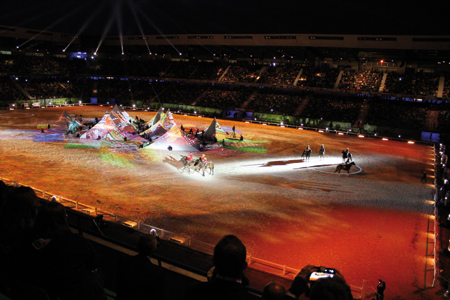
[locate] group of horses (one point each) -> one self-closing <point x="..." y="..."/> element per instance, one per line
<point x="347" y="160"/>
<point x="196" y="165"/>
<point x="307" y="154"/>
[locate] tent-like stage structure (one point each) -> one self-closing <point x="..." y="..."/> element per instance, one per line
<point x="122" y="119"/>
<point x="66" y="123"/>
<point x="105" y="129"/>
<point x="215" y="130"/>
<point x="175" y="139"/>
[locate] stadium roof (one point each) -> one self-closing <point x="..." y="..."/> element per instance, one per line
<point x="135" y="17"/>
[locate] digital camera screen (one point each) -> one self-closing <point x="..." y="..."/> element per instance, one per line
<point x="329" y="273"/>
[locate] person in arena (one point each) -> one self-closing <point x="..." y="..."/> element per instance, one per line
<point x="189" y="157"/>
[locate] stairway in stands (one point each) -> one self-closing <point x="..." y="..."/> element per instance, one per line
<point x="361" y="119"/>
<point x="431" y="121"/>
<point x="301" y="107"/>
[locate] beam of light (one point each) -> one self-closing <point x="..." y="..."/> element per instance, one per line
<point x="117" y="11"/>
<point x="159" y="31"/>
<point x="52" y="25"/>
<point x="105" y="31"/>
<point x="85" y="25"/>
<point x="36" y="16"/>
<point x="138" y="23"/>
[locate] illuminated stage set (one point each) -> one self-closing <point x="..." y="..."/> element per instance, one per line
<point x="370" y="225"/>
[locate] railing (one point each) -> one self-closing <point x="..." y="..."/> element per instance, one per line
<point x="256" y="263"/>
<point x="339" y="132"/>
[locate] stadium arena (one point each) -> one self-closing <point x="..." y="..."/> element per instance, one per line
<point x="384" y="97"/>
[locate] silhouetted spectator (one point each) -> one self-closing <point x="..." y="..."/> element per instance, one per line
<point x="380" y="289"/>
<point x="17" y="216"/>
<point x="59" y="261"/>
<point x="230" y="261"/>
<point x="335" y="288"/>
<point x="274" y="291"/>
<point x="138" y="277"/>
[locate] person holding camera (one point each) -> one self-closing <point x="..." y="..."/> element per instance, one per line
<point x="380" y="289"/>
<point x="319" y="284"/>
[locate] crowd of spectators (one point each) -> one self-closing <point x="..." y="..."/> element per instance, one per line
<point x="446" y="90"/>
<point x="8" y="90"/>
<point x="270" y="101"/>
<point x="397" y="114"/>
<point x="444" y="118"/>
<point x="224" y="98"/>
<point x="360" y="81"/>
<point x="242" y="72"/>
<point x="283" y="75"/>
<point x="333" y="107"/>
<point x="189" y="83"/>
<point x="318" y="77"/>
<point x="417" y="84"/>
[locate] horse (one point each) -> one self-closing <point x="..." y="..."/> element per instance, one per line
<point x="187" y="164"/>
<point x="200" y="165"/>
<point x="306" y="154"/>
<point x="345" y="167"/>
<point x="321" y="154"/>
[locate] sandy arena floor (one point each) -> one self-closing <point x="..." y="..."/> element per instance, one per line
<point x="370" y="225"/>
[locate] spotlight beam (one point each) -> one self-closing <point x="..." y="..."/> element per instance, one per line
<point x="138" y="23"/>
<point x="52" y="25"/>
<point x="85" y="25"/>
<point x="105" y="31"/>
<point x="159" y="31"/>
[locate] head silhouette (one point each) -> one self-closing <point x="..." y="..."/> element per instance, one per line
<point x="230" y="257"/>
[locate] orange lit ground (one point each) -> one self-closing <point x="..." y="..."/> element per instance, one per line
<point x="370" y="225"/>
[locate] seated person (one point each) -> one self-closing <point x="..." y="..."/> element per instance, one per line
<point x="274" y="291"/>
<point x="138" y="277"/>
<point x="57" y="260"/>
<point x="229" y="260"/>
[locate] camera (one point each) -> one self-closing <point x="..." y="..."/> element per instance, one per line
<point x="322" y="272"/>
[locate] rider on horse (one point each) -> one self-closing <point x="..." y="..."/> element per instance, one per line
<point x="204" y="159"/>
<point x="346" y="156"/>
<point x="322" y="149"/>
<point x="190" y="157"/>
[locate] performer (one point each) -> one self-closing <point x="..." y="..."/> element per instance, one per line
<point x="308" y="150"/>
<point x="190" y="157"/>
<point x="204" y="159"/>
<point x="322" y="152"/>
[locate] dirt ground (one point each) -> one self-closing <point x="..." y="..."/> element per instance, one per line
<point x="370" y="225"/>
